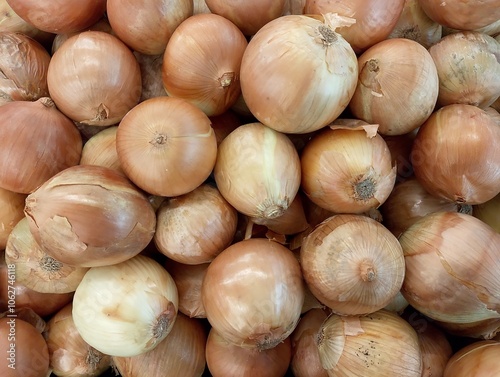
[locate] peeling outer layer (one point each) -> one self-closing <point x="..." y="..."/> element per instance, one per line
<point x="90" y="216"/>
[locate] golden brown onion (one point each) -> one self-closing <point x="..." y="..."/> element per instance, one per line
<point x="89" y="216"/>
<point x="253" y="293"/>
<point x="100" y="150"/>
<point x="298" y="74"/>
<point x="146" y="26"/>
<point x="480" y="358"/>
<point x="489" y="212"/>
<point x="452" y="271"/>
<point x="258" y="171"/>
<point x="166" y="146"/>
<point x="352" y="264"/>
<point x="11" y="211"/>
<point x="456" y="154"/>
<point x="94" y="78"/>
<point x="393" y="93"/>
<point x="202" y="63"/>
<point x="36" y="142"/>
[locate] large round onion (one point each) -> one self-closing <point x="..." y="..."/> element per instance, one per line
<point x="298" y="74"/>
<point x="94" y="78"/>
<point x="480" y="358"/>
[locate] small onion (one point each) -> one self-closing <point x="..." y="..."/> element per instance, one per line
<point x="100" y="150"/>
<point x="194" y="228"/>
<point x="59" y="16"/>
<point x="456" y="154"/>
<point x="226" y="359"/>
<point x="253" y="293"/>
<point x="352" y="264"/>
<point x="24" y="63"/>
<point x="125" y="309"/>
<point x="489" y="212"/>
<point x="173" y="139"/>
<point x="258" y="171"/>
<point x="202" y="63"/>
<point x="11" y="211"/>
<point x="468" y="67"/>
<point x="90" y="216"/>
<point x="152" y="84"/>
<point x="36" y="142"/>
<point x="308" y="54"/>
<point x="70" y="355"/>
<point x="94" y="78"/>
<point x="34" y="268"/>
<point x="378" y="344"/>
<point x="480" y="358"/>
<point x="452" y="271"/>
<point x="391" y="92"/>
<point x="146" y="26"/>
<point x="181" y="353"/>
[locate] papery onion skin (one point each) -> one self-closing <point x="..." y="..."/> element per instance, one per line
<point x="480" y="358"/>
<point x="59" y="16"/>
<point x="468" y="67"/>
<point x="226" y="359"/>
<point x="90" y="216"/>
<point x="352" y="264"/>
<point x="308" y="53"/>
<point x="174" y="139"/>
<point x="451" y="270"/>
<point x="36" y="142"/>
<point x="392" y="93"/>
<point x="253" y="293"/>
<point x="181" y="353"/>
<point x="11" y="211"/>
<point x="258" y="171"/>
<point x="126" y="309"/>
<point x="456" y="154"/>
<point x="94" y="78"/>
<point x="100" y="150"/>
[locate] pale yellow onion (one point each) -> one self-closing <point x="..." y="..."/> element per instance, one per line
<point x="180" y="354"/>
<point x="451" y="271"/>
<point x="392" y="93"/>
<point x="378" y="344"/>
<point x="100" y="150"/>
<point x="398" y="304"/>
<point x="125" y="309"/>
<point x="11" y="211"/>
<point x="305" y="51"/>
<point x="435" y="347"/>
<point x="352" y="264"/>
<point x="70" y="355"/>
<point x="34" y="268"/>
<point x="152" y="85"/>
<point x="489" y="212"/>
<point x="258" y="171"/>
<point x="480" y="358"/>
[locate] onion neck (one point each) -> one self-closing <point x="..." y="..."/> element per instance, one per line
<point x="50" y="264"/>
<point x="367" y="271"/>
<point x="163" y="323"/>
<point x="364" y="189"/>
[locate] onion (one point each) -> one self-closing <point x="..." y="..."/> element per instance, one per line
<point x="489" y="212"/>
<point x="90" y="216"/>
<point x="347" y="171"/>
<point x="100" y="150"/>
<point x="258" y="171"/>
<point x="352" y="264"/>
<point x="451" y="271"/>
<point x="305" y="51"/>
<point x="462" y="15"/>
<point x="414" y="24"/>
<point x="59" y="16"/>
<point x="24" y="63"/>
<point x="202" y="62"/>
<point x="226" y="359"/>
<point x="125" y="309"/>
<point x="11" y="211"/>
<point x="36" y="142"/>
<point x="400" y="147"/>
<point x="152" y="84"/>
<point x="374" y="18"/>
<point x="200" y="6"/>
<point x="147" y="26"/>
<point x="253" y="293"/>
<point x="480" y="358"/>
<point x="69" y="354"/>
<point x="468" y="67"/>
<point x="456" y="155"/>
<point x="398" y="304"/>
<point x="34" y="268"/>
<point x="294" y="7"/>
<point x="194" y="228"/>
<point x="409" y="202"/>
<point x="24" y="349"/>
<point x="94" y="78"/>
<point x="305" y="354"/>
<point x="174" y="139"/>
<point x="248" y="16"/>
<point x="181" y="353"/>
<point x="379" y="344"/>
<point x="397" y="87"/>
<point x="494" y="114"/>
